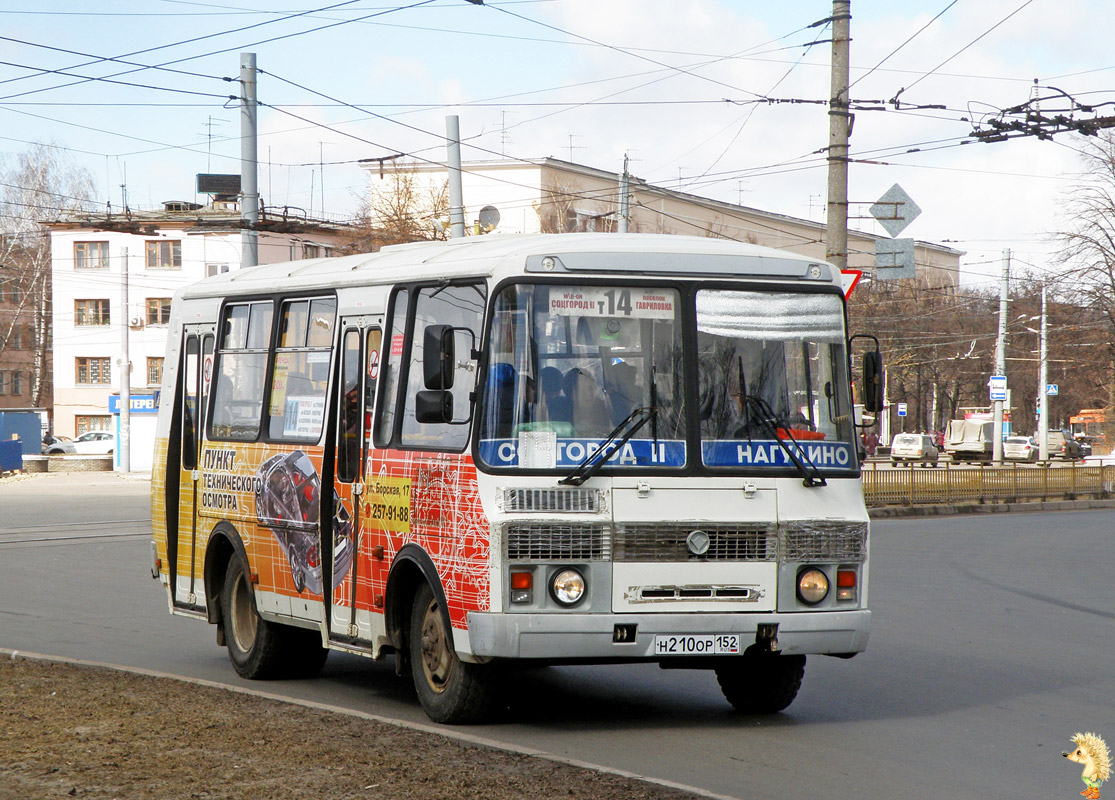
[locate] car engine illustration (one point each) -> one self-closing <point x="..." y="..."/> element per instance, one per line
<point x="288" y="499"/>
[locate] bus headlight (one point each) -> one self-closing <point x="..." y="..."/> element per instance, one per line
<point x="813" y="586"/>
<point x="567" y="586"/>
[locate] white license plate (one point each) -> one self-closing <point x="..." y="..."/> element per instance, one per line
<point x="700" y="645"/>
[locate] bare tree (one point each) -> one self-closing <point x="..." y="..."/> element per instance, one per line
<point x="37" y="185"/>
<point x="402" y="208"/>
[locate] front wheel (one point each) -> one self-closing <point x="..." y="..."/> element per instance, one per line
<point x="761" y="684"/>
<point x="450" y="690"/>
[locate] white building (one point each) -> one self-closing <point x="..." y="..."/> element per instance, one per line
<point x="154" y="253"/>
<point x="547" y="195"/>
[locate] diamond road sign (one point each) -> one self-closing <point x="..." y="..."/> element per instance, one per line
<point x="895" y="210"/>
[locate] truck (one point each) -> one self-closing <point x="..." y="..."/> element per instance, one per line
<point x="970" y="440"/>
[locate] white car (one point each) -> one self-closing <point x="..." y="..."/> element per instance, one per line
<point x="913" y="447"/>
<point x="92" y="443"/>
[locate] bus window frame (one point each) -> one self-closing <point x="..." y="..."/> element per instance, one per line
<point x="687" y="289"/>
<point x="399" y="401"/>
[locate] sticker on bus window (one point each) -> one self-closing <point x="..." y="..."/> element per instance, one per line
<point x="591" y="301"/>
<point x="568" y="453"/>
<point x="303" y="417"/>
<point x="769" y="453"/>
<point x="397" y="344"/>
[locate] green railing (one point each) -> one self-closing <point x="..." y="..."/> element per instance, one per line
<point x="947" y="484"/>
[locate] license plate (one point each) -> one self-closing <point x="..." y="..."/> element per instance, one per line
<point x="700" y="645"/>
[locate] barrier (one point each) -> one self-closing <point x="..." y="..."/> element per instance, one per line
<point x="984" y="484"/>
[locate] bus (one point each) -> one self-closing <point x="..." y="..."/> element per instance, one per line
<point x="507" y="451"/>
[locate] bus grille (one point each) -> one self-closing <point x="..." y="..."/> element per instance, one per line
<point x="667" y="542"/>
<point x="556" y="542"/>
<point x="569" y="501"/>
<point x="821" y="541"/>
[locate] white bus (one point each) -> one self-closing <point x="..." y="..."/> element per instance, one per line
<point x="525" y="450"/>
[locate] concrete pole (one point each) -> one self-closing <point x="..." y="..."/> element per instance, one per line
<point x="624" y="206"/>
<point x="1001" y="355"/>
<point x="836" y="223"/>
<point x="1043" y="381"/>
<point x="125" y="452"/>
<point x="249" y="190"/>
<point x="456" y="191"/>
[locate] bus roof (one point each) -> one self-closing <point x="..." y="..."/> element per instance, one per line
<point x="544" y="254"/>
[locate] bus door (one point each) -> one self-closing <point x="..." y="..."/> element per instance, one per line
<point x="194" y="381"/>
<point x="353" y="620"/>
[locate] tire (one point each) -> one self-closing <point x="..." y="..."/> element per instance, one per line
<point x="451" y="691"/>
<point x="761" y="684"/>
<point x="262" y="650"/>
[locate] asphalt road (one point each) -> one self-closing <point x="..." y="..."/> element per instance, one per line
<point x="992" y="645"/>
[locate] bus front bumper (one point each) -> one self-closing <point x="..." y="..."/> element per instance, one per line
<point x="558" y="637"/>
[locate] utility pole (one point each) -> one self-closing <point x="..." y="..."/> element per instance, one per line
<point x="1001" y="356"/>
<point x="624" y="207"/>
<point x="125" y="370"/>
<point x="1043" y="381"/>
<point x="249" y="191"/>
<point x="840" y="124"/>
<point x="456" y="191"/>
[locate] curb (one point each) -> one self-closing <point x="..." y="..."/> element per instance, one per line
<point x="889" y="512"/>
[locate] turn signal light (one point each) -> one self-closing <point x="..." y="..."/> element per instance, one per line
<point x="522" y="586"/>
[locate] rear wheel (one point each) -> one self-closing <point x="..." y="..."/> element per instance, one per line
<point x="450" y="690"/>
<point x="260" y="649"/>
<point x="761" y="684"/>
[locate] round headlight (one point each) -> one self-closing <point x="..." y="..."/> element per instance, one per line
<point x="813" y="585"/>
<point x="568" y="587"/>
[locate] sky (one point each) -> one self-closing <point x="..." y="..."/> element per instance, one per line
<point x="719" y="98"/>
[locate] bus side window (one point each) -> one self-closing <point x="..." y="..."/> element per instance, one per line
<point x="461" y="307"/>
<point x="190" y="418"/>
<point x="348" y="445"/>
<point x="391" y="360"/>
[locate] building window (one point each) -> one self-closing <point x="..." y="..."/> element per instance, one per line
<point x="93" y="370"/>
<point x="164" y="254"/>
<point x="16" y="383"/>
<point x="154" y="371"/>
<point x="215" y="269"/>
<point x="91" y="312"/>
<point x="158" y="310"/>
<point x="4" y="381"/>
<point x="93" y="423"/>
<point x="90" y="255"/>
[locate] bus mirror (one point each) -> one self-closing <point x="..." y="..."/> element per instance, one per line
<point x="438" y="357"/>
<point x="873" y="381"/>
<point x="434" y="405"/>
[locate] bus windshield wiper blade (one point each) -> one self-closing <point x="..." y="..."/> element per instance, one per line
<point x="589" y="467"/>
<point x="761" y="410"/>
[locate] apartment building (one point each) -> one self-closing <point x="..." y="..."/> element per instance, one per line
<point x="97" y="258"/>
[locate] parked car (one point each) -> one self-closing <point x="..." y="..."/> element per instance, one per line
<point x="92" y="443"/>
<point x="50" y="441"/>
<point x="1063" y="445"/>
<point x="913" y="447"/>
<point x="1085" y="446"/>
<point x="1021" y="448"/>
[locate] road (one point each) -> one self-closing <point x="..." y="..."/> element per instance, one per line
<point x="992" y="645"/>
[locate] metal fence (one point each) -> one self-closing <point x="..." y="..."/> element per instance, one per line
<point x="984" y="484"/>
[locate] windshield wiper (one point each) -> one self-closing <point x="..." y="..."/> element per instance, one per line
<point x="760" y="410"/>
<point x="589" y="467"/>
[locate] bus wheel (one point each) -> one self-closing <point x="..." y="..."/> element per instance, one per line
<point x="253" y="643"/>
<point x="450" y="690"/>
<point x="761" y="684"/>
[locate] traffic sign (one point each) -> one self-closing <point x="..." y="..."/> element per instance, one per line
<point x="998" y="386"/>
<point x="901" y="409"/>
<point x="1051" y="388"/>
<point x="895" y="210"/>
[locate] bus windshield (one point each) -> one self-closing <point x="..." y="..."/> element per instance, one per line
<point x="567" y="364"/>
